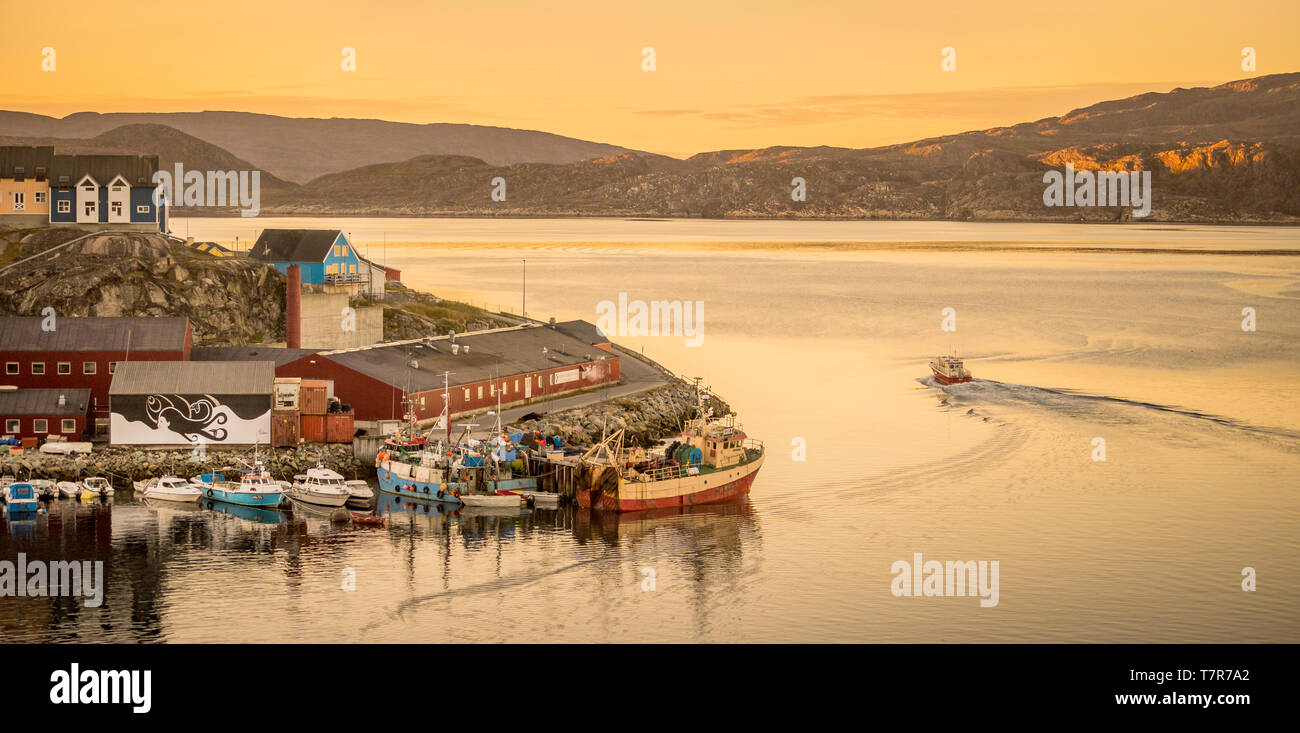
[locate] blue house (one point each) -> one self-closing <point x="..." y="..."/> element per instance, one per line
<point x="104" y="189"/>
<point x="324" y="255"/>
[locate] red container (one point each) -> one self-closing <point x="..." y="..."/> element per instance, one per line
<point x="30" y="443"/>
<point x="284" y="429"/>
<point x="339" y="427"/>
<point x="313" y="397"/>
<point x="313" y="428"/>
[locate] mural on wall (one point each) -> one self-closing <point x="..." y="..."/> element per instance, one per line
<point x="173" y="419"/>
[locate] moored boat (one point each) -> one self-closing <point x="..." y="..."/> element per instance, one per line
<point x="95" y="486"/>
<point x="21" y="499"/>
<point x="713" y="461"/>
<point x="360" y="494"/>
<point x="68" y="489"/>
<point x="502" y="500"/>
<point x="255" y="488"/>
<point x="168" y="488"/>
<point x="319" y="486"/>
<point x="949" y="370"/>
<point x="44" y="488"/>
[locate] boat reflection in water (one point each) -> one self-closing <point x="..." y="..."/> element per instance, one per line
<point x="259" y="515"/>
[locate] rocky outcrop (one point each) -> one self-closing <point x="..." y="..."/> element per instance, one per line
<point x="124" y="464"/>
<point x="645" y="418"/>
<point x="228" y="300"/>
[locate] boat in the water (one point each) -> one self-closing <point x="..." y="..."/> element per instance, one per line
<point x="44" y="488"/>
<point x="96" y="486"/>
<point x="168" y="488"/>
<point x="255" y="487"/>
<point x="503" y="500"/>
<point x="68" y="489"/>
<point x="713" y="461"/>
<point x="949" y="370"/>
<point x="21" y="499"/>
<point x="360" y="495"/>
<point x="416" y="466"/>
<point x="540" y="499"/>
<point x="319" y="486"/>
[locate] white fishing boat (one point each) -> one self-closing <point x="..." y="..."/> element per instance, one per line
<point x="96" y="486"/>
<point x="68" y="489"/>
<point x="501" y="501"/>
<point x="319" y="486"/>
<point x="44" y="488"/>
<point x="168" y="488"/>
<point x="359" y="493"/>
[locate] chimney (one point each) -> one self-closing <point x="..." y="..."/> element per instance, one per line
<point x="293" y="308"/>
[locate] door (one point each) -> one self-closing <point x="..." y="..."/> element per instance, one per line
<point x="528" y="388"/>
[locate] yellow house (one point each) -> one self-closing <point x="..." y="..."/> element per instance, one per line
<point x="24" y="180"/>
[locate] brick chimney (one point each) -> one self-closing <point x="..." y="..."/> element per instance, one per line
<point x="293" y="308"/>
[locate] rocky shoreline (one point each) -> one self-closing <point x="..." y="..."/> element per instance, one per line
<point x="125" y="464"/>
<point x="646" y="418"/>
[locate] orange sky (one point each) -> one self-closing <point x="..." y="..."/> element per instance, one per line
<point x="735" y="74"/>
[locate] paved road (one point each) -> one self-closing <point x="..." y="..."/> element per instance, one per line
<point x="637" y="376"/>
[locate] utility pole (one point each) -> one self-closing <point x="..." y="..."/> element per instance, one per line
<point x="524" y="304"/>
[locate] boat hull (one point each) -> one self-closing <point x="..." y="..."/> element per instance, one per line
<point x="711" y="488"/>
<point x="412" y="489"/>
<point x="328" y="500"/>
<point x="944" y="379"/>
<point x="265" y="499"/>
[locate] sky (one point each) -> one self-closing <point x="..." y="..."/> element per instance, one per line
<point x="733" y="74"/>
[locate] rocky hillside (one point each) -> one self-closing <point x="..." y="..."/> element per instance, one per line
<point x="228" y="300"/>
<point x="645" y="418"/>
<point x="1225" y="154"/>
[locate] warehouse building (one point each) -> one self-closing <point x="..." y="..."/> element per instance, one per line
<point x="158" y="403"/>
<point x="40" y="413"/>
<point x="83" y="353"/>
<point x="523" y="364"/>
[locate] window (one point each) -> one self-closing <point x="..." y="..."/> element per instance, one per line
<point x="116" y="208"/>
<point x="13" y="426"/>
<point x="344" y="250"/>
<point x="88" y="367"/>
<point x="40" y="197"/>
<point x="142" y="209"/>
<point x="20" y="201"/>
<point x="112" y="367"/>
<point x="90" y="208"/>
<point x="11" y="367"/>
<point x="65" y="206"/>
<point x="65" y="367"/>
<point x="352" y="269"/>
<point x="69" y="425"/>
<point x="516" y="385"/>
<point x="38" y="367"/>
<point x="467" y="394"/>
<point x="40" y="173"/>
<point x="40" y="425"/>
<point x="20" y="173"/>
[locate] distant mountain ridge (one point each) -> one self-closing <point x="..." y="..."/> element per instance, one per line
<point x="300" y="149"/>
<point x="1229" y="153"/>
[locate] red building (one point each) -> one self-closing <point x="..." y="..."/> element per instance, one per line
<point x="70" y="352"/>
<point x="524" y="364"/>
<point x="40" y="413"/>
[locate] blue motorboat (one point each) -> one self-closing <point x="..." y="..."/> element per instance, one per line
<point x="21" y="499"/>
<point x="255" y="488"/>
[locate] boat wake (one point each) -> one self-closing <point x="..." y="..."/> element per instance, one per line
<point x="1097" y="408"/>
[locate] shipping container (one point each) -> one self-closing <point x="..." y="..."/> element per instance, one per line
<point x="286" y="393"/>
<point x="313" y="428"/>
<point x="313" y="397"/>
<point x="284" y="428"/>
<point x="30" y="443"/>
<point x="339" y="427"/>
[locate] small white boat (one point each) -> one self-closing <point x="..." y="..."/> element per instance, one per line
<point x="359" y="493"/>
<point x="319" y="486"/>
<point x="68" y="489"/>
<point x="500" y="501"/>
<point x="169" y="488"/>
<point x="540" y="499"/>
<point x="96" y="486"/>
<point x="44" y="488"/>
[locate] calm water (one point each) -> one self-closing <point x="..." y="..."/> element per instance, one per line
<point x="823" y="346"/>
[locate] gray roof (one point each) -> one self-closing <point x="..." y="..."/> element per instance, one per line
<point x="280" y="356"/>
<point x="582" y="331"/>
<point x="193" y="377"/>
<point x="27" y="157"/>
<point x="492" y="354"/>
<point x="75" y="333"/>
<point x="138" y="170"/>
<point x="294" y="245"/>
<point x="43" y="401"/>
